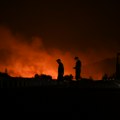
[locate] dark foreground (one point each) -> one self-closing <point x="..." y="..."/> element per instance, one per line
<point x="54" y="96"/>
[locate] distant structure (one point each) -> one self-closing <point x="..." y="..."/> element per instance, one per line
<point x="43" y="77"/>
<point x="68" y="77"/>
<point x="118" y="67"/>
<point x="105" y="77"/>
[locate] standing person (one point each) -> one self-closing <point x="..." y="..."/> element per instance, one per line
<point x="77" y="68"/>
<point x="60" y="69"/>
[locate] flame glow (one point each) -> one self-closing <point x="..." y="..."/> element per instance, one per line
<point x="27" y="57"/>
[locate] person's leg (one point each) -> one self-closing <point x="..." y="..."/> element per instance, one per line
<point x="77" y="75"/>
<point x="60" y="77"/>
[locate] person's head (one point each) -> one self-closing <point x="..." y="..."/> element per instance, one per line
<point x="58" y="60"/>
<point x="76" y="58"/>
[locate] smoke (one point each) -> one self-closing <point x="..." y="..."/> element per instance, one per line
<point x="25" y="57"/>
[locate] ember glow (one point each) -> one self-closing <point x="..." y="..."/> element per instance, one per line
<point x="25" y="59"/>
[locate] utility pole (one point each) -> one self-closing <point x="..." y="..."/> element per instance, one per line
<point x="118" y="67"/>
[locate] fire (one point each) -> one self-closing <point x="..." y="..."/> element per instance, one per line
<point x="27" y="57"/>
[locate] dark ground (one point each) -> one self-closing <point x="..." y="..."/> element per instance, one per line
<point x="53" y="96"/>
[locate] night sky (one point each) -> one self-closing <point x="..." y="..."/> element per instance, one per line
<point x="89" y="28"/>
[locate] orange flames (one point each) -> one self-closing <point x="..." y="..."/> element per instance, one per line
<point x="27" y="57"/>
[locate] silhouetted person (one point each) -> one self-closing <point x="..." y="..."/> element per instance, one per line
<point x="77" y="68"/>
<point x="60" y="70"/>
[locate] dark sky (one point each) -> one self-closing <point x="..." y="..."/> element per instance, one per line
<point x="65" y="25"/>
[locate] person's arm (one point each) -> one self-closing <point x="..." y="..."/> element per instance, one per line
<point x="74" y="67"/>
